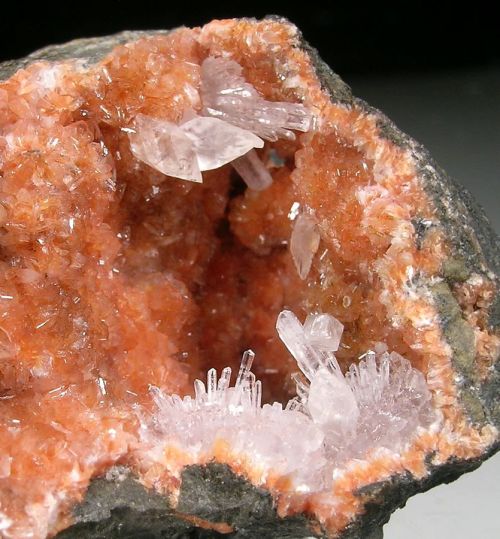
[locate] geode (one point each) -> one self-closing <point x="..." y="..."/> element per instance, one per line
<point x="171" y="202"/>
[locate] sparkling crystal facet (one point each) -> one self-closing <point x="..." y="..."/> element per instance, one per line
<point x="304" y="243"/>
<point x="165" y="147"/>
<point x="217" y="142"/>
<point x="226" y="95"/>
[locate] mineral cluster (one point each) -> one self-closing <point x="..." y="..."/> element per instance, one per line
<point x="214" y="200"/>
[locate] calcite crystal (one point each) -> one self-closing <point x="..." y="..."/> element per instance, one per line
<point x="213" y="204"/>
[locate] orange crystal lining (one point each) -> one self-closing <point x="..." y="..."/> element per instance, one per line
<point x="114" y="277"/>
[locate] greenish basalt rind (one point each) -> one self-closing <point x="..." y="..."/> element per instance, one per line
<point x="494" y="313"/>
<point x="121" y="507"/>
<point x="495" y="414"/>
<point x="126" y="522"/>
<point x="106" y="495"/>
<point x="338" y="90"/>
<point x="241" y="504"/>
<point x="464" y="224"/>
<point x="388" y="130"/>
<point x="480" y="398"/>
<point x="473" y="406"/>
<point x="490" y="395"/>
<point x="459" y="334"/>
<point x="455" y="270"/>
<point x="116" y="508"/>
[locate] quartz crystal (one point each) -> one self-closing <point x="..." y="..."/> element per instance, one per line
<point x="393" y="400"/>
<point x="165" y="147"/>
<point x="304" y="243"/>
<point x="323" y="331"/>
<point x="379" y="403"/>
<point x="226" y="95"/>
<point x="252" y="171"/>
<point x="207" y="143"/>
<point x="186" y="150"/>
<point x="218" y="411"/>
<point x="217" y="142"/>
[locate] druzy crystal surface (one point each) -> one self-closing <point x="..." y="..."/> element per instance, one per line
<point x="195" y="206"/>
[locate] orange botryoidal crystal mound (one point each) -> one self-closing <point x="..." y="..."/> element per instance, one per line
<point x="214" y="200"/>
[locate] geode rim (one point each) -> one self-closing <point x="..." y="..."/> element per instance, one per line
<point x="475" y="248"/>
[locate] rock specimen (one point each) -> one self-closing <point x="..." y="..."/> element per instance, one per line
<point x="215" y="200"/>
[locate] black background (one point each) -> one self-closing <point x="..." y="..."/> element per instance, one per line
<point x="352" y="37"/>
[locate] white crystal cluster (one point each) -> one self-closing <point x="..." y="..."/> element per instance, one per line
<point x="234" y="120"/>
<point x="380" y="403"/>
<point x="233" y="414"/>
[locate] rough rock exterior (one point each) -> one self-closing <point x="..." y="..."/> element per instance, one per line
<point x="406" y="240"/>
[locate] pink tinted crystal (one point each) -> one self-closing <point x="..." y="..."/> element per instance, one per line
<point x="304" y="243"/>
<point x="393" y="398"/>
<point x="226" y="95"/>
<point x="380" y="402"/>
<point x="217" y="142"/>
<point x="253" y="171"/>
<point x="164" y="146"/>
<point x="184" y="151"/>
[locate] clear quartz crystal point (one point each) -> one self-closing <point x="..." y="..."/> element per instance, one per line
<point x="292" y="334"/>
<point x="304" y="243"/>
<point x="212" y="385"/>
<point x="329" y="399"/>
<point x="258" y="394"/>
<point x="245" y="366"/>
<point x="199" y="391"/>
<point x="227" y="95"/>
<point x="323" y="331"/>
<point x="224" y="380"/>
